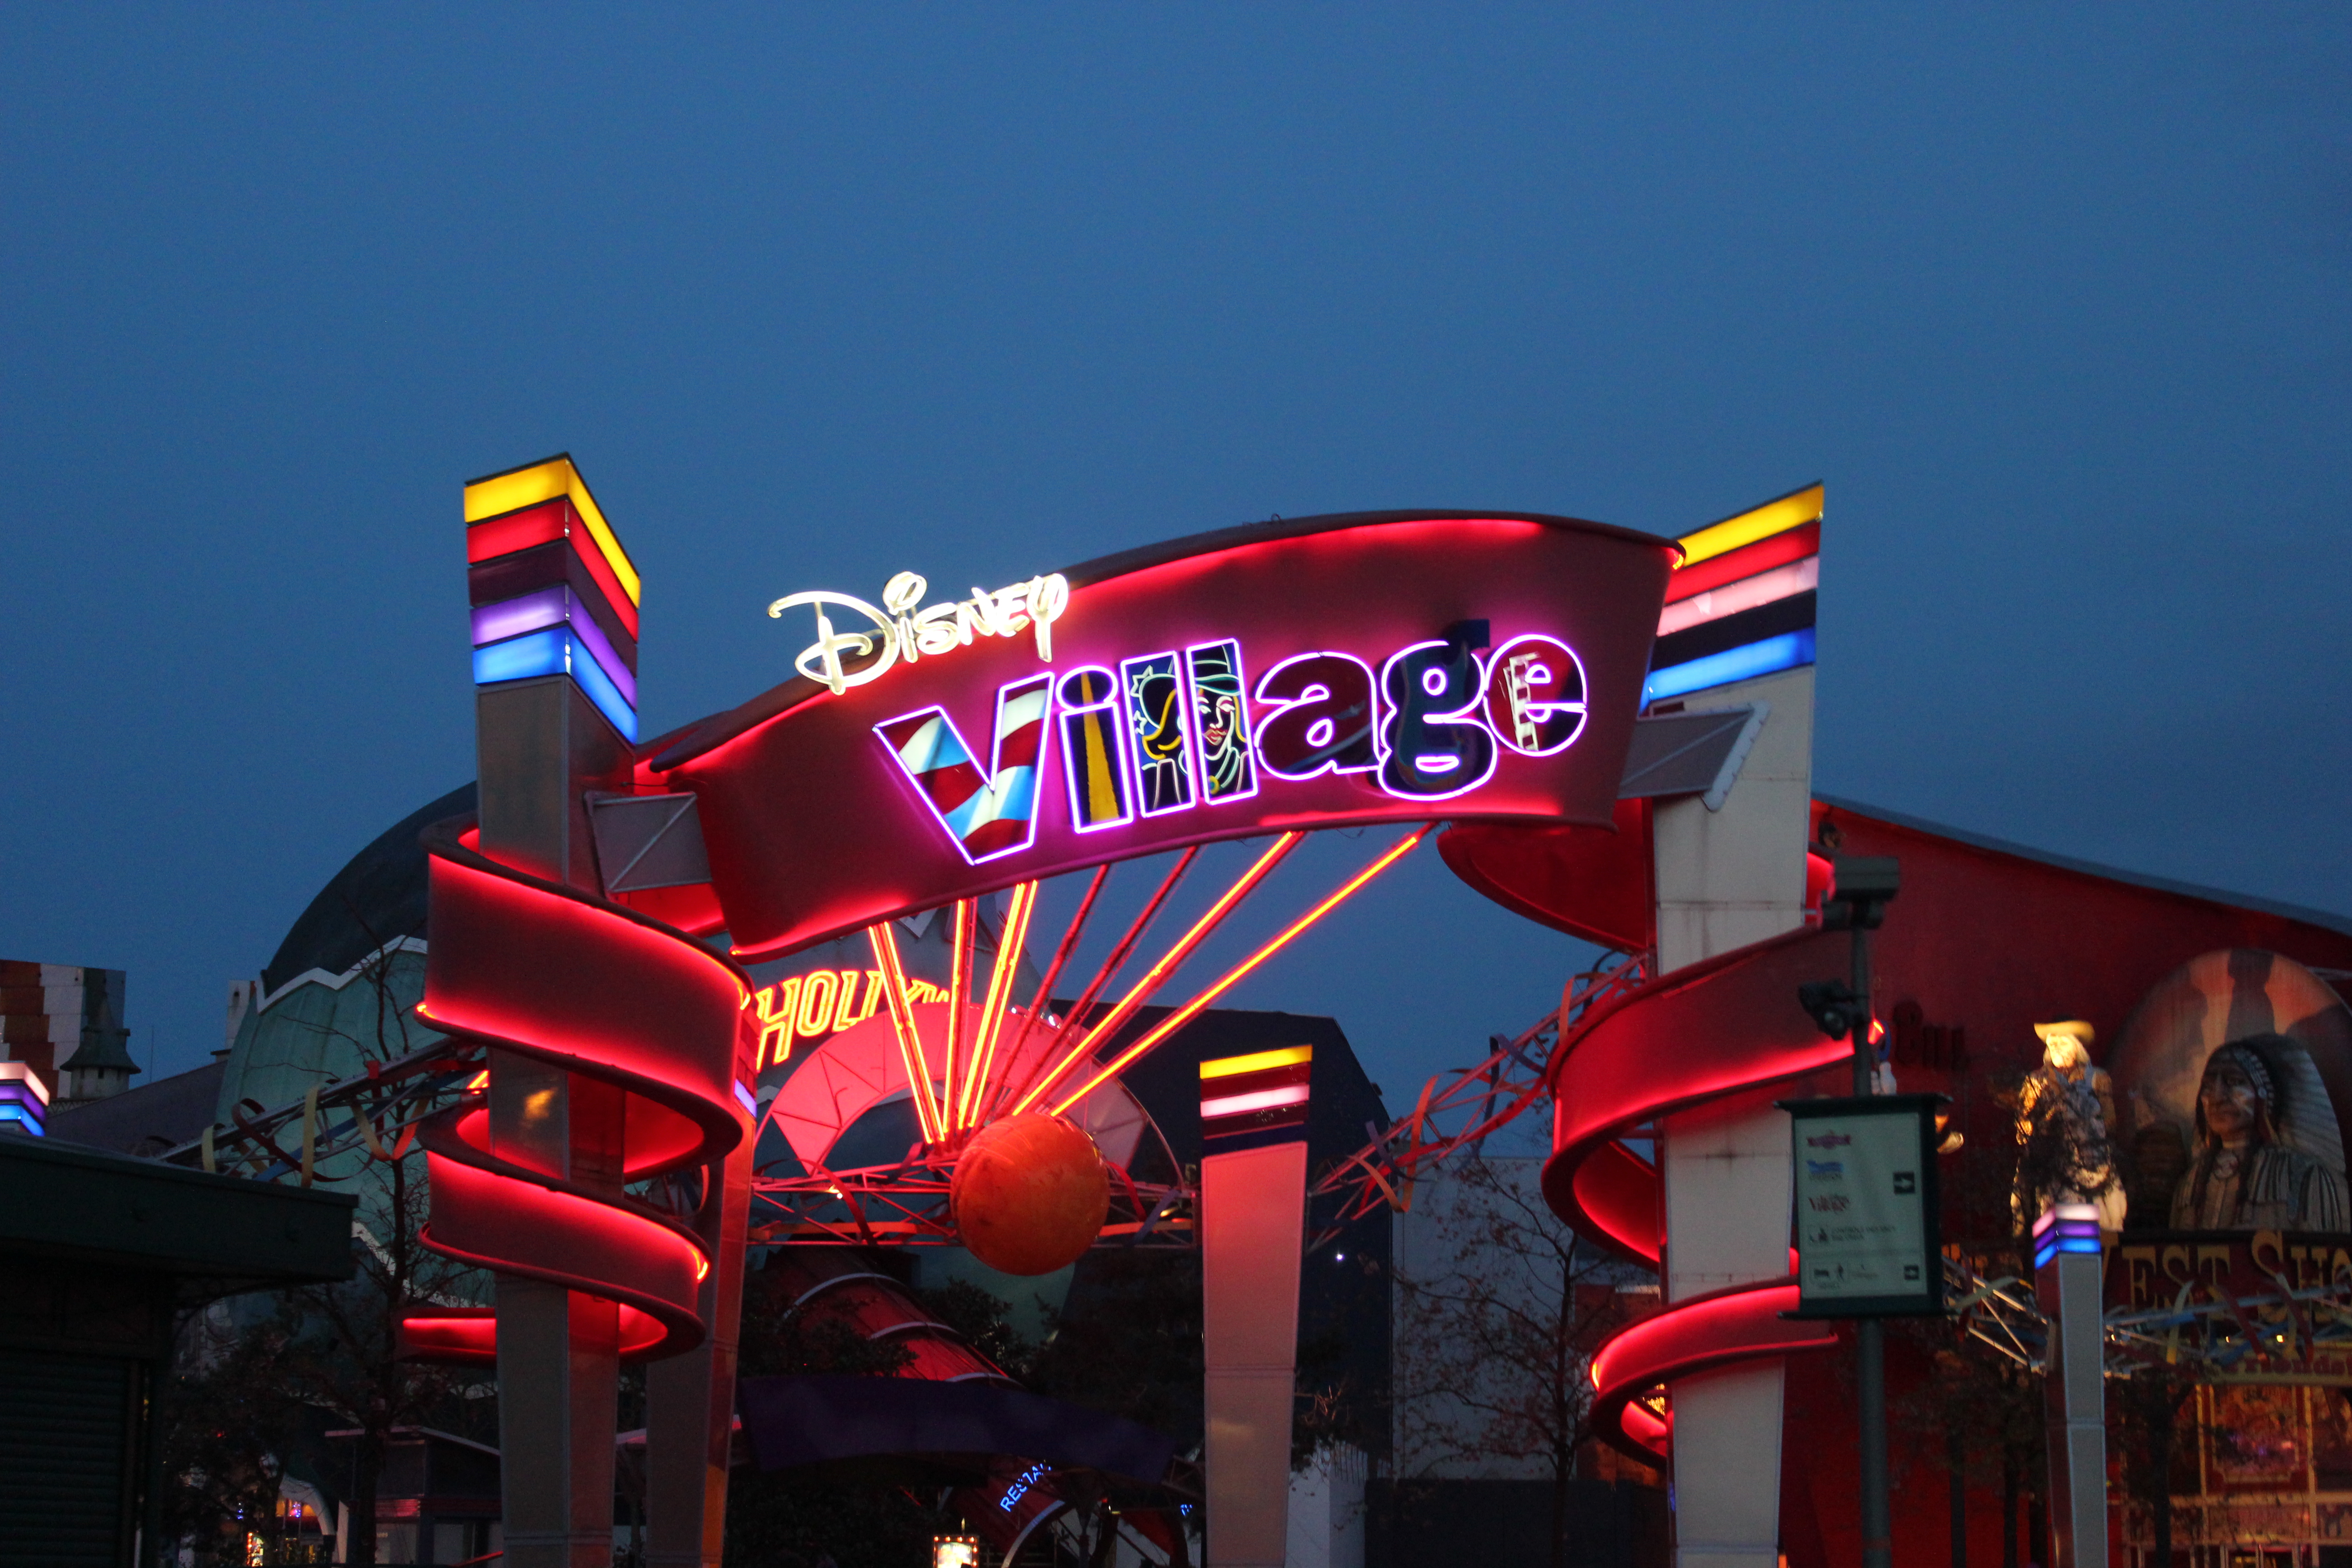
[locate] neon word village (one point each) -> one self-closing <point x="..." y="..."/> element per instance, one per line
<point x="1175" y="730"/>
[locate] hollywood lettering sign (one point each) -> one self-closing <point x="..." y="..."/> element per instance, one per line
<point x="807" y="1009"/>
<point x="1317" y="673"/>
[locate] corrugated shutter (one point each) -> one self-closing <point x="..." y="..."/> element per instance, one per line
<point x="64" y="1425"/>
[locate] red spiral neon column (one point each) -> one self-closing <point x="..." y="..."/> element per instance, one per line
<point x="1729" y="1024"/>
<point x="533" y="967"/>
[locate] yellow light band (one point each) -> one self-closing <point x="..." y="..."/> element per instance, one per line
<point x="1792" y="510"/>
<point x="1257" y="1061"/>
<point x="503" y="493"/>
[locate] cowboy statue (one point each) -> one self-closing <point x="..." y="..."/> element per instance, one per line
<point x="2245" y="1175"/>
<point x="2065" y="1117"/>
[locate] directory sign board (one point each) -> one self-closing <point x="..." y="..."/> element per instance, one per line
<point x="1868" y="1241"/>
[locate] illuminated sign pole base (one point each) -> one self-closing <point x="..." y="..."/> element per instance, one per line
<point x="2066" y="1287"/>
<point x="1253" y="1224"/>
<point x="690" y="1399"/>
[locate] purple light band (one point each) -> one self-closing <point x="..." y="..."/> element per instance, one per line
<point x="554" y="608"/>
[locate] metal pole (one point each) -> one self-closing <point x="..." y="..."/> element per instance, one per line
<point x="1870" y="1333"/>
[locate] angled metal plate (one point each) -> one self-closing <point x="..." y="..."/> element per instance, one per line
<point x="648" y="841"/>
<point x="1691" y="753"/>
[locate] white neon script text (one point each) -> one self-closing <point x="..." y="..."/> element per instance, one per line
<point x="899" y="630"/>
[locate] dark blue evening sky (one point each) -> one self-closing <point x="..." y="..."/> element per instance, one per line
<point x="2055" y="299"/>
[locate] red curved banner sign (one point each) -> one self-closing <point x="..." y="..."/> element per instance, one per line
<point x="1323" y="672"/>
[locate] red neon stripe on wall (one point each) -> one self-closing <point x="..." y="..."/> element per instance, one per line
<point x="1745" y="562"/>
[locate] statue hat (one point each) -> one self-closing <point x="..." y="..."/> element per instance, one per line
<point x="2075" y="1026"/>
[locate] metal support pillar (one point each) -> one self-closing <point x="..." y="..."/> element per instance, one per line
<point x="1252" y="1224"/>
<point x="541" y="746"/>
<point x="690" y="1399"/>
<point x="2066" y="1265"/>
<point x="1724" y="878"/>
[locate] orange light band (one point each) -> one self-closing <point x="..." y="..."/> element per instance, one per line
<point x="1111" y="965"/>
<point x="1009" y="939"/>
<point x="1183" y="1016"/>
<point x="902" y="1021"/>
<point x="1152" y="978"/>
<point x="1042" y="1002"/>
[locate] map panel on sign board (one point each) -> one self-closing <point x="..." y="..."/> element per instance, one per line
<point x="1867" y="1237"/>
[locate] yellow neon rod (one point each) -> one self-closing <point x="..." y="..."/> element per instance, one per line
<point x="1183" y="1015"/>
<point x="1141" y="991"/>
<point x="902" y="1021"/>
<point x="1791" y="511"/>
<point x="1256" y="1061"/>
<point x="1009" y="939"/>
<point x="1102" y="794"/>
<point x="502" y="493"/>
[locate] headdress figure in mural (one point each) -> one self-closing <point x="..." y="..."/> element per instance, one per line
<point x="2242" y="1176"/>
<point x="2066" y="1113"/>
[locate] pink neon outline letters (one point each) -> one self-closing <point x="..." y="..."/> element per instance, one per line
<point x="1318" y="693"/>
<point x="995" y="752"/>
<point x="1475" y="714"/>
<point x="1583" y="709"/>
<point x="1183" y="725"/>
<point x="1200" y="749"/>
<point x="1115" y="707"/>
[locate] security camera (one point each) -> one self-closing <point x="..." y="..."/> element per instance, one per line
<point x="1832" y="1005"/>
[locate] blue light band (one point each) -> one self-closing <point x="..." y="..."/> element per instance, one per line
<point x="25" y="1114"/>
<point x="554" y="650"/>
<point x="554" y="606"/>
<point x="2049" y="1246"/>
<point x="1790" y="650"/>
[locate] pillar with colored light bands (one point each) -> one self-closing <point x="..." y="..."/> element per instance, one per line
<point x="2067" y="1266"/>
<point x="1253" y="1219"/>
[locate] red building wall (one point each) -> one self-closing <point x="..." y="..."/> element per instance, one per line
<point x="1987" y="940"/>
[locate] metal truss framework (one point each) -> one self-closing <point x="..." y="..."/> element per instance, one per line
<point x="906" y="1204"/>
<point x="1460" y="1108"/>
<point x="2214" y="1335"/>
<point x="375" y="1113"/>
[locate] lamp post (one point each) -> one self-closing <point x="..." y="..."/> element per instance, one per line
<point x="1865" y="885"/>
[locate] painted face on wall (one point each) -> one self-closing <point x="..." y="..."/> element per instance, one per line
<point x="1221" y="719"/>
<point x="1155" y="711"/>
<point x="2230" y="1100"/>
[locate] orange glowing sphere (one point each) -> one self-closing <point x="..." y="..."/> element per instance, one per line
<point x="1029" y="1194"/>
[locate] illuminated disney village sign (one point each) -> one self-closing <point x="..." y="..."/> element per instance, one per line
<point x="1320" y="672"/>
